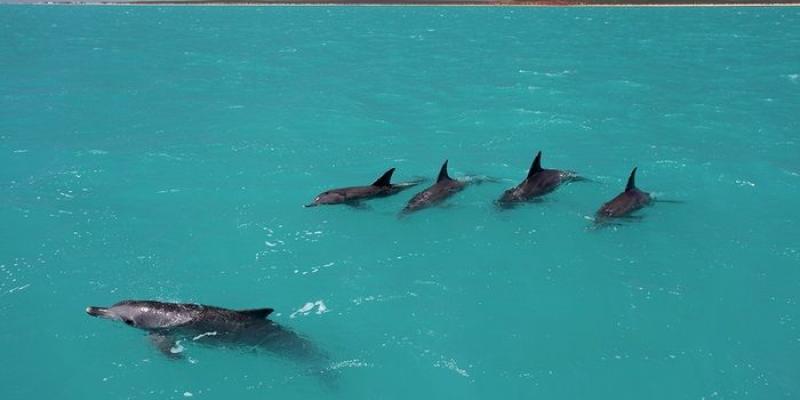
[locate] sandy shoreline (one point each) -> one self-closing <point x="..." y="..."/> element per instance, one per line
<point x="414" y="3"/>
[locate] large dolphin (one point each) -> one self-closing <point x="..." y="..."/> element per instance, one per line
<point x="444" y="187"/>
<point x="169" y="323"/>
<point x="539" y="182"/>
<point x="626" y="202"/>
<point x="354" y="194"/>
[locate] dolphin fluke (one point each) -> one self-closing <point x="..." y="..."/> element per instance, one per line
<point x="631" y="181"/>
<point x="385" y="179"/>
<point x="443" y="173"/>
<point x="536" y="166"/>
<point x="257" y="313"/>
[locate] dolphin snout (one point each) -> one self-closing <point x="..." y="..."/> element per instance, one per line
<point x="98" y="312"/>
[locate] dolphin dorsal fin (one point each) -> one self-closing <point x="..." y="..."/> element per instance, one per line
<point x="443" y="173"/>
<point x="257" y="313"/>
<point x="631" y="181"/>
<point x="537" y="165"/>
<point x="385" y="179"/>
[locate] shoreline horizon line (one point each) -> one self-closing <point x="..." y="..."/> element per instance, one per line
<point x="413" y="3"/>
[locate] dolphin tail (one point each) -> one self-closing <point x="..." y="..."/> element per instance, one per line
<point x="480" y="179"/>
<point x="657" y="200"/>
<point x="631" y="181"/>
<point x="578" y="178"/>
<point x="537" y="165"/>
<point x="408" y="184"/>
<point x="443" y="173"/>
<point x="385" y="179"/>
<point x="572" y="176"/>
<point x="257" y="313"/>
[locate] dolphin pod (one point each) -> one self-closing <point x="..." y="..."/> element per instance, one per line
<point x="538" y="183"/>
<point x="167" y="324"/>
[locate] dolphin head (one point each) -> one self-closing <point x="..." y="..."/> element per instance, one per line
<point x="329" y="197"/>
<point x="138" y="314"/>
<point x="117" y="312"/>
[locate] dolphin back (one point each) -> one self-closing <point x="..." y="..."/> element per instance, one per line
<point x="257" y="313"/>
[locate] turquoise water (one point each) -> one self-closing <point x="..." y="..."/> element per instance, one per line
<point x="165" y="153"/>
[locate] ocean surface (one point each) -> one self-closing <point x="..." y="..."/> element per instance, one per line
<point x="166" y="153"/>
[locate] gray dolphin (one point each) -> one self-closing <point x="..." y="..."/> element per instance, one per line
<point x="539" y="182"/>
<point x="626" y="202"/>
<point x="167" y="323"/>
<point x="444" y="187"/>
<point x="354" y="194"/>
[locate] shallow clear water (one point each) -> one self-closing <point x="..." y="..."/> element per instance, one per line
<point x="165" y="153"/>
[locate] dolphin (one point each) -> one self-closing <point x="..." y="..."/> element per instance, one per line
<point x="168" y="323"/>
<point x="539" y="182"/>
<point x="354" y="194"/>
<point x="444" y="187"/>
<point x="626" y="202"/>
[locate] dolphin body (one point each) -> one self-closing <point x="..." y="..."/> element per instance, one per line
<point x="539" y="182"/>
<point x="444" y="187"/>
<point x="167" y="323"/>
<point x="626" y="202"/>
<point x="354" y="194"/>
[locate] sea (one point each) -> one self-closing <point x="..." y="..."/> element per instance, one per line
<point x="166" y="153"/>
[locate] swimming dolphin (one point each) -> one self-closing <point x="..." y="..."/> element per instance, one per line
<point x="354" y="194"/>
<point x="539" y="182"/>
<point x="444" y="187"/>
<point x="168" y="323"/>
<point x="626" y="202"/>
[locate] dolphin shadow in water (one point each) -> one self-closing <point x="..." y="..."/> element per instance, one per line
<point x="538" y="183"/>
<point x="354" y="195"/>
<point x="169" y="323"/>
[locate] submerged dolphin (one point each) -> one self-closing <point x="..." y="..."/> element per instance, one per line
<point x="354" y="194"/>
<point x="444" y="187"/>
<point x="539" y="182"/>
<point x="167" y="323"/>
<point x="626" y="202"/>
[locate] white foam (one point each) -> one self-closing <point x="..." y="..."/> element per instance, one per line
<point x="451" y="365"/>
<point x="202" y="335"/>
<point x="354" y="363"/>
<point x="18" y="288"/>
<point x="309" y="307"/>
<point x="177" y="349"/>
